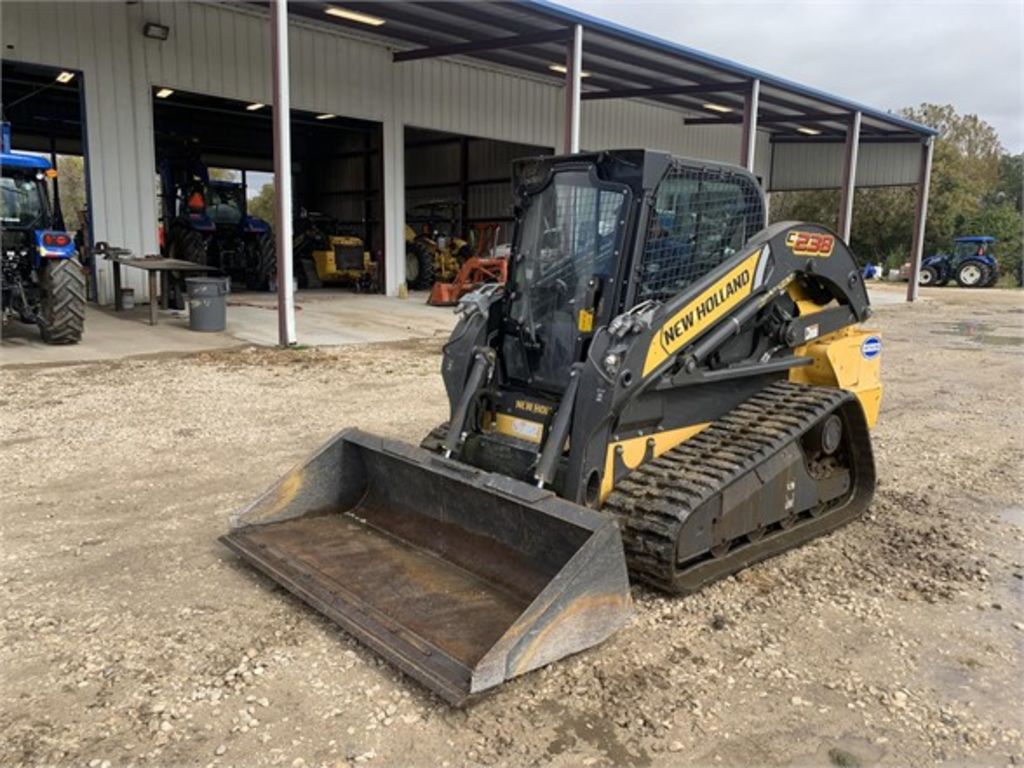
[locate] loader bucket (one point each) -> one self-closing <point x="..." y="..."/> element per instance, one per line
<point x="460" y="577"/>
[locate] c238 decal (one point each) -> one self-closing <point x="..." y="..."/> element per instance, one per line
<point x="817" y="244"/>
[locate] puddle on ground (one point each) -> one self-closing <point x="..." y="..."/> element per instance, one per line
<point x="571" y="729"/>
<point x="1013" y="515"/>
<point x="981" y="333"/>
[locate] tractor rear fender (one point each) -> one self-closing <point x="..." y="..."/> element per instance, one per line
<point x="53" y="244"/>
<point x="254" y="225"/>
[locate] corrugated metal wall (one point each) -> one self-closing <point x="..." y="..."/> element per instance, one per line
<point x="820" y="166"/>
<point x="223" y="50"/>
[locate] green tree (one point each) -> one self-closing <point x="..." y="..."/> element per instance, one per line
<point x="224" y="174"/>
<point x="262" y="205"/>
<point x="1011" y="181"/>
<point x="71" y="188"/>
<point x="976" y="188"/>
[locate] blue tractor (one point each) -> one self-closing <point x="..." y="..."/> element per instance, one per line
<point x="207" y="222"/>
<point x="972" y="264"/>
<point x="41" y="279"/>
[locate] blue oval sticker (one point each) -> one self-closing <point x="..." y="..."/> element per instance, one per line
<point x="871" y="347"/>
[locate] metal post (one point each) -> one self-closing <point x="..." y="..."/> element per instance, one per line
<point x="849" y="176"/>
<point x="282" y="173"/>
<point x="920" y="216"/>
<point x="393" y="152"/>
<point x="749" y="136"/>
<point x="573" y="77"/>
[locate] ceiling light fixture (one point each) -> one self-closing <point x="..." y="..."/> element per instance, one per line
<point x="361" y="18"/>
<point x="561" y="69"/>
<point x="808" y="131"/>
<point x="325" y="116"/>
<point x="156" y="31"/>
<point x="65" y="77"/>
<point x="255" y="105"/>
<point x="163" y="93"/>
<point x="716" y="107"/>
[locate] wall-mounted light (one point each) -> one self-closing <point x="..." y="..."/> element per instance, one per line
<point x="156" y="31"/>
<point x="65" y="77"/>
<point x="361" y="18"/>
<point x="560" y="69"/>
<point x="716" y="107"/>
<point x="326" y="116"/>
<point x="163" y="93"/>
<point x="254" y="106"/>
<point x="808" y="131"/>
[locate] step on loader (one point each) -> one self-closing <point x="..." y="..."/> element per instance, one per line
<point x="665" y="389"/>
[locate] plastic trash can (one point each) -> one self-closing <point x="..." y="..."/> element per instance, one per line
<point x="207" y="305"/>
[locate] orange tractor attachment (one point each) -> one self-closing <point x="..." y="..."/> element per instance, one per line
<point x="475" y="271"/>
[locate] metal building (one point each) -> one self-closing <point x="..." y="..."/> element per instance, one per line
<point x="530" y="73"/>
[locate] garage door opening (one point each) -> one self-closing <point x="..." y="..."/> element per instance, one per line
<point x="458" y="200"/>
<point x="44" y="106"/>
<point x="222" y="149"/>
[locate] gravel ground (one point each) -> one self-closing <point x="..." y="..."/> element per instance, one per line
<point x="132" y="637"/>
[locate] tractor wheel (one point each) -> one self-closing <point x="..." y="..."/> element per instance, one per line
<point x="188" y="245"/>
<point x="61" y="315"/>
<point x="419" y="266"/>
<point x="928" y="276"/>
<point x="263" y="259"/>
<point x="971" y="274"/>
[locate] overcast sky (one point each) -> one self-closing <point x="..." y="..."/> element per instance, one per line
<point x="883" y="53"/>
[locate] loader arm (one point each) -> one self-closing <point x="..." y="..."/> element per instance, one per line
<point x="652" y="360"/>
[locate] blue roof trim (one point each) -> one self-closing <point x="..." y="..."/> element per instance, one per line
<point x="15" y="160"/>
<point x="611" y="28"/>
<point x="974" y="239"/>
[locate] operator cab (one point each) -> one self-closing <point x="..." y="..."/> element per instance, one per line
<point x="578" y="216"/>
<point x="974" y="246"/>
<point x="226" y="203"/>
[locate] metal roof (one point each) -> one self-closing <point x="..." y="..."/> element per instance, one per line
<point x="530" y="36"/>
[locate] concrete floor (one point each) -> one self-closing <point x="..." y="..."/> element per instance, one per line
<point x="322" y="318"/>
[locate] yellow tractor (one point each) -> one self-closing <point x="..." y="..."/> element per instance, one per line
<point x="434" y="249"/>
<point x="338" y="259"/>
<point x="432" y="259"/>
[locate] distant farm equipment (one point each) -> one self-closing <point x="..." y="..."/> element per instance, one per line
<point x="972" y="264"/>
<point x="336" y="257"/>
<point x="207" y="222"/>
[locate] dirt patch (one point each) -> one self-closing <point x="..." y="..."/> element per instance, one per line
<point x="130" y="636"/>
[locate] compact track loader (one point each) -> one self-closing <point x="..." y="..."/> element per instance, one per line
<point x="664" y="387"/>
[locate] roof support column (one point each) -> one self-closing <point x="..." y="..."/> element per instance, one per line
<point x="849" y="176"/>
<point x="573" y="87"/>
<point x="282" y="174"/>
<point x="750" y="102"/>
<point x="920" y="215"/>
<point x="393" y="152"/>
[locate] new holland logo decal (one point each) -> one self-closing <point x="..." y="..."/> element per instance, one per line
<point x="703" y="312"/>
<point x="818" y="244"/>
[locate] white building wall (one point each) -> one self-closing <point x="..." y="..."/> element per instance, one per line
<point x="820" y="166"/>
<point x="224" y="50"/>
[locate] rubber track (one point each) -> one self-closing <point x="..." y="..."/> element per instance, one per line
<point x="654" y="501"/>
